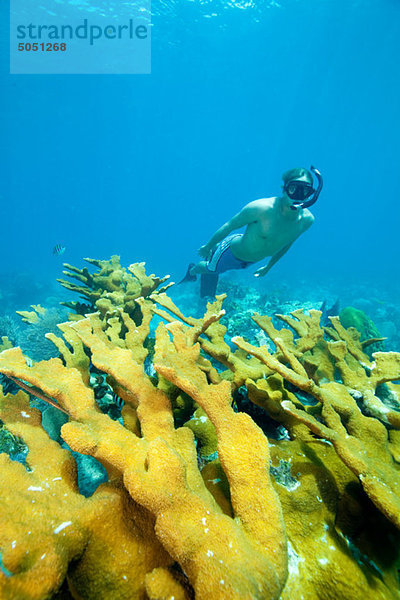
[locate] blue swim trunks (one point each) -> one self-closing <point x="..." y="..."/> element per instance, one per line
<point x="222" y="258"/>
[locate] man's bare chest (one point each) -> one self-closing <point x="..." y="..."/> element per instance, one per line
<point x="282" y="229"/>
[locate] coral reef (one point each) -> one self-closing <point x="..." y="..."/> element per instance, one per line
<point x="54" y="527"/>
<point x="111" y="287"/>
<point x="33" y="316"/>
<point x="364" y="443"/>
<point x="379" y="302"/>
<point x="159" y="467"/>
<point x="5" y="343"/>
<point x="9" y="330"/>
<point x="39" y="322"/>
<point x="353" y="317"/>
<point x="199" y="502"/>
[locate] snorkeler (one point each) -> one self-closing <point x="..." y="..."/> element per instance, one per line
<point x="273" y="224"/>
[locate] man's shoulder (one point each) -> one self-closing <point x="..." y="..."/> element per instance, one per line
<point x="261" y="203"/>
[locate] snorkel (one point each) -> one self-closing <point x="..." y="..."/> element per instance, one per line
<point x="303" y="191"/>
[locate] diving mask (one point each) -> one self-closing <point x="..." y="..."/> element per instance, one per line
<point x="299" y="190"/>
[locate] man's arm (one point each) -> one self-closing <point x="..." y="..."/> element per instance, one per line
<point x="274" y="259"/>
<point x="247" y="215"/>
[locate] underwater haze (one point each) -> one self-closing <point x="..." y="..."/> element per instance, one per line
<point x="149" y="166"/>
<point x="128" y="458"/>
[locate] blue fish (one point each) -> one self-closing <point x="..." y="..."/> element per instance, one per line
<point x="59" y="249"/>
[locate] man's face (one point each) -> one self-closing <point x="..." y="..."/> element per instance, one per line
<point x="298" y="189"/>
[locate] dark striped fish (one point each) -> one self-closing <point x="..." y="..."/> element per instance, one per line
<point x="118" y="401"/>
<point x="59" y="249"/>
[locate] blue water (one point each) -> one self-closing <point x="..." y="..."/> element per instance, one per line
<point x="149" y="166"/>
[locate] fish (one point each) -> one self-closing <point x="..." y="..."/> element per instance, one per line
<point x="59" y="249"/>
<point x="31" y="389"/>
<point x="118" y="401"/>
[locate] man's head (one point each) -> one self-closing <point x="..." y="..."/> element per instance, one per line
<point x="298" y="186"/>
<point x="297" y="174"/>
<point x="298" y="183"/>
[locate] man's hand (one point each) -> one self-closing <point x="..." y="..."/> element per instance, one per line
<point x="204" y="251"/>
<point x="261" y="272"/>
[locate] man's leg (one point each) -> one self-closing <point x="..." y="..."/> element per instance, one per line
<point x="200" y="268"/>
<point x="194" y="270"/>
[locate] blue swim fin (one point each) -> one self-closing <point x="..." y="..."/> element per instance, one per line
<point x="188" y="276"/>
<point x="208" y="284"/>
